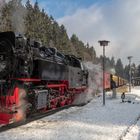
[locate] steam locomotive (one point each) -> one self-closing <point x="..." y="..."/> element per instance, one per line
<point x="36" y="78"/>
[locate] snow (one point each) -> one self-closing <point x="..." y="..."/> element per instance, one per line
<point x="115" y="120"/>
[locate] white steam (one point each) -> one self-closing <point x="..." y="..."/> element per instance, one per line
<point x="94" y="84"/>
<point x="17" y="18"/>
<point x="17" y="15"/>
<point x="95" y="78"/>
<point x="117" y="21"/>
<point x="2" y="2"/>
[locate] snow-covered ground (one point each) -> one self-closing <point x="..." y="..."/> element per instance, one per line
<point x="93" y="121"/>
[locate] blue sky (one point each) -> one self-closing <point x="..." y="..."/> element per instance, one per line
<point x="60" y="8"/>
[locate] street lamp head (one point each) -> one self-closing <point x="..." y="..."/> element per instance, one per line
<point x="103" y="42"/>
<point x="129" y="57"/>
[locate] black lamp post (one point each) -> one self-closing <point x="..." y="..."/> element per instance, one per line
<point x="129" y="58"/>
<point x="103" y="43"/>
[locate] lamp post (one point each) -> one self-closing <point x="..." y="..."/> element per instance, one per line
<point x="129" y="58"/>
<point x="103" y="43"/>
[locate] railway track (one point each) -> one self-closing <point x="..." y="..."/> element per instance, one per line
<point x="129" y="128"/>
<point x="36" y="116"/>
<point x="33" y="118"/>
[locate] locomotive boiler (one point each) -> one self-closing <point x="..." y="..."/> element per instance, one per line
<point x="35" y="78"/>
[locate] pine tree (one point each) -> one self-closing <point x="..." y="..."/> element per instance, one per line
<point x="126" y="72"/>
<point x="28" y="20"/>
<point x="112" y="62"/>
<point x="138" y="71"/>
<point x="119" y="68"/>
<point x="78" y="45"/>
<point x="6" y="24"/>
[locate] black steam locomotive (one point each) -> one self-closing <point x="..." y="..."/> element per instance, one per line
<point x="35" y="78"/>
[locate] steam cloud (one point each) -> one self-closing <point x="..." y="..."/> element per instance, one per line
<point x="117" y="21"/>
<point x="2" y="2"/>
<point x="17" y="16"/>
<point x="94" y="84"/>
<point x="17" y="19"/>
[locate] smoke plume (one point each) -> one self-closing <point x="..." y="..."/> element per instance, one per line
<point x="17" y="18"/>
<point x="17" y="15"/>
<point x="94" y="84"/>
<point x="2" y="3"/>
